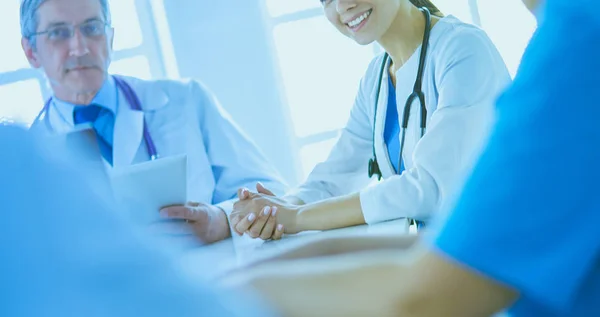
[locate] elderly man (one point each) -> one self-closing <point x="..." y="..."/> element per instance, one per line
<point x="136" y="120"/>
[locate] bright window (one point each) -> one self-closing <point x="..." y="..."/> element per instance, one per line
<point x="126" y="23"/>
<point x="10" y="37"/>
<point x="461" y="9"/>
<point x="313" y="153"/>
<point x="20" y="101"/>
<point x="511" y="36"/>
<point x="281" y="7"/>
<point x="321" y="71"/>
<point x="137" y="66"/>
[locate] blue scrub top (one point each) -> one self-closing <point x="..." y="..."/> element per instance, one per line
<point x="529" y="217"/>
<point x="391" y="131"/>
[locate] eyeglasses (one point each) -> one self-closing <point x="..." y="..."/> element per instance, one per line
<point x="63" y="32"/>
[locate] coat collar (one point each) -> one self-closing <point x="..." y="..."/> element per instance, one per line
<point x="152" y="96"/>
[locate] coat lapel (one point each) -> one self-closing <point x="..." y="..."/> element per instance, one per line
<point x="383" y="157"/>
<point x="129" y="123"/>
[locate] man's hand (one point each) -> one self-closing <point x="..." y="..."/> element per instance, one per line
<point x="263" y="215"/>
<point x="209" y="223"/>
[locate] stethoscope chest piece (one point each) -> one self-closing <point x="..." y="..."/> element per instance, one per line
<point x="374" y="169"/>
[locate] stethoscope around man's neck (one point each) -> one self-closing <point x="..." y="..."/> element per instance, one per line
<point x="134" y="103"/>
<point x="417" y="94"/>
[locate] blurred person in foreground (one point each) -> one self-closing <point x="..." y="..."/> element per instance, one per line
<point x="57" y="261"/>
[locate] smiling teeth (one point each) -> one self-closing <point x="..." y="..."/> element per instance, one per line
<point x="358" y="20"/>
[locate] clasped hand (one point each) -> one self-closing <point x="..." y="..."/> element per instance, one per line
<point x="263" y="215"/>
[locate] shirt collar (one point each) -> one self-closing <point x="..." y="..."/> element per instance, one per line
<point x="106" y="97"/>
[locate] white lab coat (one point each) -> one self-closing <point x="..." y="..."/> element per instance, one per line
<point x="463" y="76"/>
<point x="183" y="117"/>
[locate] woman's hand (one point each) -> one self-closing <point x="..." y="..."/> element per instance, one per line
<point x="263" y="215"/>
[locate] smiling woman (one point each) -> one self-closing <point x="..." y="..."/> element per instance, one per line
<point x="301" y="32"/>
<point x="479" y="263"/>
<point x="456" y="73"/>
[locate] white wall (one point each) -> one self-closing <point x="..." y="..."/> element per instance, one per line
<point x="227" y="46"/>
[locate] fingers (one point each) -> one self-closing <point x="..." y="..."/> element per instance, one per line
<point x="257" y="227"/>
<point x="262" y="190"/>
<point x="243" y="193"/>
<point x="192" y="212"/>
<point x="267" y="231"/>
<point x="233" y="222"/>
<point x="193" y="204"/>
<point x="177" y="212"/>
<point x="244" y="224"/>
<point x="278" y="232"/>
<point x="263" y="226"/>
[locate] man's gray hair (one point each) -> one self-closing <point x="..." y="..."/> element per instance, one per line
<point x="29" y="16"/>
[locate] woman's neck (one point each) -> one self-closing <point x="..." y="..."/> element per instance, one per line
<point x="404" y="36"/>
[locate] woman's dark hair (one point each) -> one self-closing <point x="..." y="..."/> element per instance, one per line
<point x="429" y="5"/>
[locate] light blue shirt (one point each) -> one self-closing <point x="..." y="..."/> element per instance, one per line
<point x="529" y="217"/>
<point x="66" y="252"/>
<point x="107" y="97"/>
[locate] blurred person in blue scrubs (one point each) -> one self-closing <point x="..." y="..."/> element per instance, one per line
<point x="524" y="234"/>
<point x="137" y="120"/>
<point x="66" y="252"/>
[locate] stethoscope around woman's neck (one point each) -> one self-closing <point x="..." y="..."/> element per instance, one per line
<point x="417" y="94"/>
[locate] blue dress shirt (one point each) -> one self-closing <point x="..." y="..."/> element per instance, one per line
<point x="102" y="120"/>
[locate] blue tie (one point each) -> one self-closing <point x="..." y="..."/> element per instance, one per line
<point x="391" y="132"/>
<point x="102" y="120"/>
